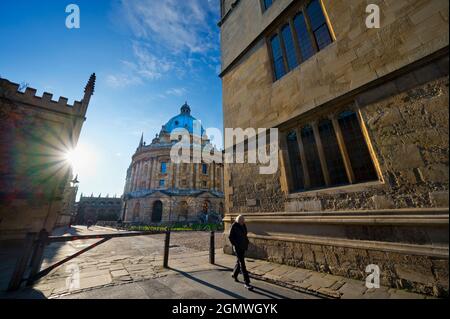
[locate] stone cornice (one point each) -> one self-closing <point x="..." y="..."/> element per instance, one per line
<point x="416" y="217"/>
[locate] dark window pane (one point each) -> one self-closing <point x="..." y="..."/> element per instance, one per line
<point x="357" y="149"/>
<point x="295" y="162"/>
<point x="315" y="14"/>
<point x="318" y="24"/>
<point x="163" y="167"/>
<point x="278" y="62"/>
<point x="323" y="37"/>
<point x="312" y="158"/>
<point x="333" y="156"/>
<point x="304" y="39"/>
<point x="289" y="46"/>
<point x="267" y="3"/>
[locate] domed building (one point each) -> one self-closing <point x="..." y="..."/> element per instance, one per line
<point x="159" y="191"/>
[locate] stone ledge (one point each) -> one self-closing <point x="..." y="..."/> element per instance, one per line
<point x="411" y="249"/>
<point x="415" y="217"/>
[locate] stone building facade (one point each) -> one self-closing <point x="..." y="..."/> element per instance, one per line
<point x="35" y="135"/>
<point x="69" y="207"/>
<point x="98" y="209"/>
<point x="159" y="191"/>
<point x="363" y="121"/>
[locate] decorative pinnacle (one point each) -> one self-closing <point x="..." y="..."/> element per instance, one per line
<point x="141" y="143"/>
<point x="90" y="87"/>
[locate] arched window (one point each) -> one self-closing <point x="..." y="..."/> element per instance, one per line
<point x="157" y="211"/>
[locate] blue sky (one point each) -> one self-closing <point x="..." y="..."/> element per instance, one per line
<point x="150" y="56"/>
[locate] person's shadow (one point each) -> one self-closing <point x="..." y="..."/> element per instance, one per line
<point x="256" y="289"/>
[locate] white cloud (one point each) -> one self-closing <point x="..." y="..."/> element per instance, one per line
<point x="181" y="26"/>
<point x="176" y="91"/>
<point x="146" y="66"/>
<point x="122" y="80"/>
<point x="168" y="36"/>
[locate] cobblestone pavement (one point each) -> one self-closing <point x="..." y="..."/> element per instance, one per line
<point x="123" y="261"/>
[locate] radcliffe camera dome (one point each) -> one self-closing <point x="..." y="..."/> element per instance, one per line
<point x="184" y="120"/>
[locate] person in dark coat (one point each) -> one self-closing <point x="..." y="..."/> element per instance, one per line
<point x="239" y="240"/>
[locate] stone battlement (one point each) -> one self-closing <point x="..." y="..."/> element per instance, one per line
<point x="10" y="91"/>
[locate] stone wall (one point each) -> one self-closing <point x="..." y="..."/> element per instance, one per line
<point x="422" y="274"/>
<point x="409" y="133"/>
<point x="172" y="210"/>
<point x="396" y="77"/>
<point x="410" y="30"/>
<point x="407" y="122"/>
<point x="35" y="134"/>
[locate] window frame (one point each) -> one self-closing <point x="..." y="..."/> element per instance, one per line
<point x="263" y="5"/>
<point x="205" y="170"/>
<point x="289" y="19"/>
<point x="165" y="165"/>
<point x="314" y="120"/>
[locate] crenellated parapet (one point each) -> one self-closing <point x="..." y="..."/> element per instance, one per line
<point x="11" y="91"/>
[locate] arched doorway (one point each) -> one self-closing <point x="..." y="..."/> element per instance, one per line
<point x="157" y="211"/>
<point x="206" y="206"/>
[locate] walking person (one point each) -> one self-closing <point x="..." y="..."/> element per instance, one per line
<point x="239" y="240"/>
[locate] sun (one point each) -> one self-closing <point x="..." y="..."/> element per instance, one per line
<point x="82" y="159"/>
<point x="71" y="156"/>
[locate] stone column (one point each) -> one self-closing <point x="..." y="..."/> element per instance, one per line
<point x="136" y="176"/>
<point x="149" y="172"/>
<point x="151" y="178"/>
<point x="222" y="182"/>
<point x="214" y="175"/>
<point x="156" y="174"/>
<point x="139" y="180"/>
<point x="197" y="175"/>
<point x="133" y="169"/>
<point x="169" y="174"/>
<point x="191" y="176"/>
<point x="211" y="176"/>
<point x="177" y="176"/>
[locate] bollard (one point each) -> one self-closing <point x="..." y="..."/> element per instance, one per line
<point x="212" y="249"/>
<point x="166" y="249"/>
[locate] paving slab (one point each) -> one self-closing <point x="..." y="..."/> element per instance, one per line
<point x="126" y="261"/>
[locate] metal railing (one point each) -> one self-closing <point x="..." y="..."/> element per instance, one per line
<point x="34" y="246"/>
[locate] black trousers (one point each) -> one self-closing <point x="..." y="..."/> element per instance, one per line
<point x="240" y="266"/>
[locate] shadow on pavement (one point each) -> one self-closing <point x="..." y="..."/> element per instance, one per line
<point x="257" y="290"/>
<point x="23" y="294"/>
